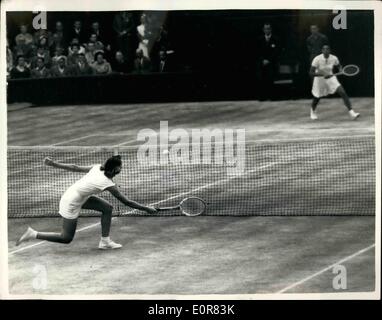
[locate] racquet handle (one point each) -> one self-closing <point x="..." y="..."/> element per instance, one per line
<point x="168" y="208"/>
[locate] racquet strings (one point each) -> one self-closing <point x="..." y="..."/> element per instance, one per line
<point x="193" y="206"/>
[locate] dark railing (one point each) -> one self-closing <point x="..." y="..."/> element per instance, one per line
<point x="122" y="88"/>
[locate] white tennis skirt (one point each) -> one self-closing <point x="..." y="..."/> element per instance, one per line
<point x="70" y="204"/>
<point x="323" y="87"/>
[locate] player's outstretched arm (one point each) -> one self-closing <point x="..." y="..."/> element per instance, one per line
<point x="66" y="166"/>
<point x="130" y="203"/>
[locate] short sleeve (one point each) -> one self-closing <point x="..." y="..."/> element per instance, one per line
<point x="107" y="184"/>
<point x="315" y="62"/>
<point x="336" y="61"/>
<point x="102" y="182"/>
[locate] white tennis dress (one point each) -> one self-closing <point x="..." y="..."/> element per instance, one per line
<point x="323" y="87"/>
<point x="76" y="195"/>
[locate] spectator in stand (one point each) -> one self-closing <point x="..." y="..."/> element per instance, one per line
<point x="269" y="51"/>
<point x="40" y="71"/>
<point x="76" y="41"/>
<point x="90" y="52"/>
<point x="58" y="53"/>
<point x="23" y="50"/>
<point x="164" y="64"/>
<point x="144" y="35"/>
<point x="73" y="55"/>
<point x="315" y="42"/>
<point x="100" y="65"/>
<point x="120" y="65"/>
<point x="77" y="32"/>
<point x="97" y="44"/>
<point x="9" y="59"/>
<point x="20" y="71"/>
<point x="161" y="43"/>
<point x="24" y="44"/>
<point x="43" y="42"/>
<point x="42" y="34"/>
<point x="123" y="25"/>
<point x="24" y="37"/>
<point x="82" y="68"/>
<point x="95" y="29"/>
<point x="61" y="69"/>
<point x="41" y="53"/>
<point x="58" y="37"/>
<point x="141" y="64"/>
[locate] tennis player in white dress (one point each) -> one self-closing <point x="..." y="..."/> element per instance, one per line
<point x="325" y="83"/>
<point x="82" y="195"/>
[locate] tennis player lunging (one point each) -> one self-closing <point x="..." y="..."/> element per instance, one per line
<point x="325" y="82"/>
<point x="82" y="195"/>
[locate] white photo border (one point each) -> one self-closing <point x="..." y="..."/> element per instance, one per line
<point x="119" y="5"/>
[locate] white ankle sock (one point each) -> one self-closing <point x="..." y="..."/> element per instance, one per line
<point x="105" y="238"/>
<point x="34" y="232"/>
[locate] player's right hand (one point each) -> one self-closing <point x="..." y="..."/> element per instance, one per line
<point x="48" y="161"/>
<point x="151" y="210"/>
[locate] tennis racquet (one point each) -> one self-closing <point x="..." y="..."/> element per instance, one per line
<point x="349" y="70"/>
<point x="191" y="207"/>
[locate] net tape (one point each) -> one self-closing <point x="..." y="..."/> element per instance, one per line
<point x="326" y="176"/>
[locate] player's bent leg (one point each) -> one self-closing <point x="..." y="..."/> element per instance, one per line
<point x="341" y="91"/>
<point x="66" y="236"/>
<point x="103" y="206"/>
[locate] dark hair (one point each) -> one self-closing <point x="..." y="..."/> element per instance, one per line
<point x="100" y="52"/>
<point x="111" y="163"/>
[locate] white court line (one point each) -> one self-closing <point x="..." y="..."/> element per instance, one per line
<point x="152" y="204"/>
<point x="74" y="139"/>
<point x="326" y="269"/>
<point x="123" y="143"/>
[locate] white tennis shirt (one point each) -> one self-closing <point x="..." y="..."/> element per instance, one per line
<point x="325" y="65"/>
<point x="75" y="196"/>
<point x="321" y="86"/>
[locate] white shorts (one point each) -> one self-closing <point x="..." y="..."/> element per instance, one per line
<point x="71" y="204"/>
<point x="323" y="87"/>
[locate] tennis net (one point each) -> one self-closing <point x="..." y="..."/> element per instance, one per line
<point x="326" y="176"/>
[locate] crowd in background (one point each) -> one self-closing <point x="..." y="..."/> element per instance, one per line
<point x="86" y="50"/>
<point x="136" y="47"/>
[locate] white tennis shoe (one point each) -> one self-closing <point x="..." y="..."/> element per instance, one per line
<point x="28" y="235"/>
<point x="354" y="115"/>
<point x="313" y="115"/>
<point x="108" y="244"/>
